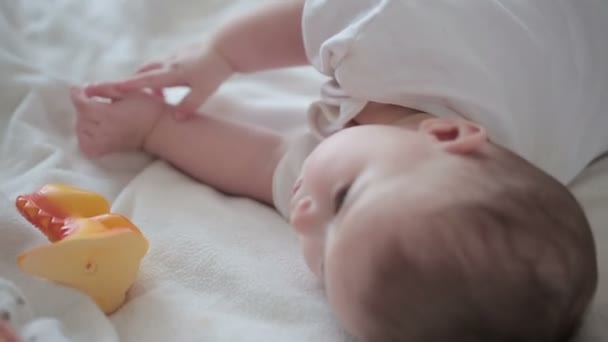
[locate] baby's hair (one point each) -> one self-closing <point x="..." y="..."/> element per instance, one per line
<point x="510" y="258"/>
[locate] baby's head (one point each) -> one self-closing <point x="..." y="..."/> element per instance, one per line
<point x="436" y="234"/>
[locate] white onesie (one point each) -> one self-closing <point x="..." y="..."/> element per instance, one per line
<point x="533" y="73"/>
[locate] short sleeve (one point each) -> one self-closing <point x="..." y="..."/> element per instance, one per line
<point x="330" y="29"/>
<point x="510" y="66"/>
<point x="425" y="55"/>
<point x="441" y="57"/>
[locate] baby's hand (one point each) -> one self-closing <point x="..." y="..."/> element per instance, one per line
<point x="199" y="67"/>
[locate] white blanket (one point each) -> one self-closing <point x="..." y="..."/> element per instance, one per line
<point x="219" y="268"/>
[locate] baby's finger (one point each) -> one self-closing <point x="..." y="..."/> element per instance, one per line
<point x="149" y="67"/>
<point x="154" y="79"/>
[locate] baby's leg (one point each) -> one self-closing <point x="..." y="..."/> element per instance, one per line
<point x="234" y="157"/>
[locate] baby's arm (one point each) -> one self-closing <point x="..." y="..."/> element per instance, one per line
<point x="267" y="38"/>
<point x="234" y="157"/>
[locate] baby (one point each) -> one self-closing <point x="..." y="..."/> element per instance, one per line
<point x="430" y="195"/>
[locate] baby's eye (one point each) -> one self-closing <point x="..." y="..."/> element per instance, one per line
<point x="340" y="197"/>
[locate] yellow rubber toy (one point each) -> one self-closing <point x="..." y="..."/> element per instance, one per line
<point x="91" y="249"/>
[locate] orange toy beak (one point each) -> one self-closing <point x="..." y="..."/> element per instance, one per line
<point x="91" y="249"/>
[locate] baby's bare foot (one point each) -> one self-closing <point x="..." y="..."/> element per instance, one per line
<point x="119" y="125"/>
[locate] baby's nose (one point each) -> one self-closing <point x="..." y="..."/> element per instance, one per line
<point x="304" y="216"/>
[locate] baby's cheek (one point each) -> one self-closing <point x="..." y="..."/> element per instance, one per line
<point x="313" y="255"/>
<point x="343" y="290"/>
<point x="349" y="279"/>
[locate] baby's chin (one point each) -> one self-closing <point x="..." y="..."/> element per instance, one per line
<point x="318" y="275"/>
<point x="348" y="310"/>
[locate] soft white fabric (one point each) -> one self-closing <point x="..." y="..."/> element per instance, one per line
<point x="219" y="268"/>
<point x="533" y="73"/>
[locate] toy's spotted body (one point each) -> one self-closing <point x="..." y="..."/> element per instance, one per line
<point x="90" y="247"/>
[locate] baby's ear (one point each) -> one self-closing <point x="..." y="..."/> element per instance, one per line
<point x="455" y="135"/>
